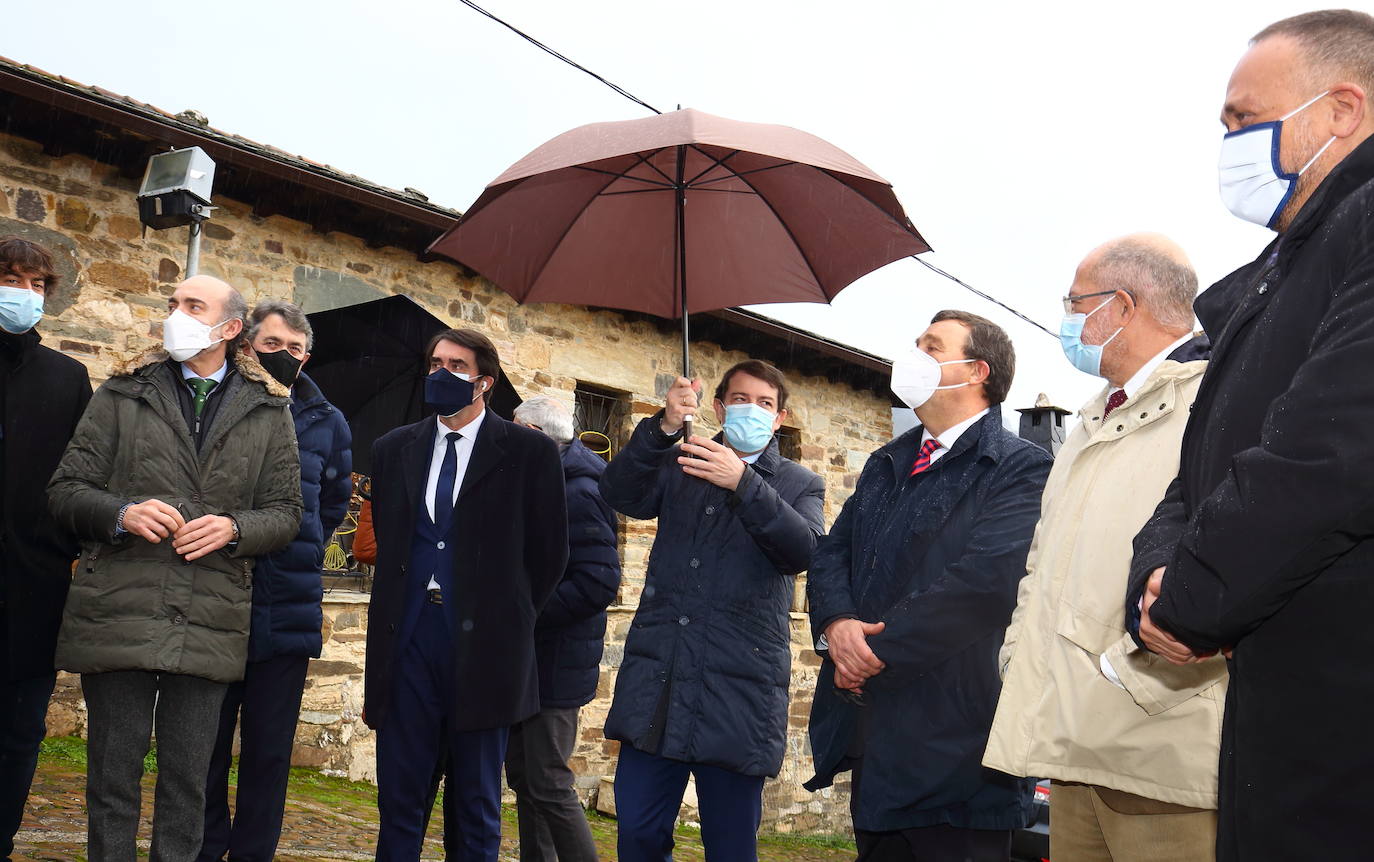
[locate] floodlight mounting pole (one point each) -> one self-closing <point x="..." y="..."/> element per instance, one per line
<point x="201" y="213"/>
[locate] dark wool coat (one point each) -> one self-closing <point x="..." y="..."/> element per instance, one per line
<point x="1268" y="531"/>
<point x="708" y="659"/>
<point x="135" y="605"/>
<point x="45" y="394"/>
<point x="569" y="633"/>
<point x="511" y="527"/>
<point x="286" y="583"/>
<point x="937" y="557"/>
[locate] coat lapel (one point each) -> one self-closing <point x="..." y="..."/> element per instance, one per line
<point x="415" y="463"/>
<point x="487" y="451"/>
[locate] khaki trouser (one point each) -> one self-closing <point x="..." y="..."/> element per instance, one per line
<point x="1097" y="824"/>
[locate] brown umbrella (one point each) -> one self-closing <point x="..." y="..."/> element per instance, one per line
<point x="628" y="214"/>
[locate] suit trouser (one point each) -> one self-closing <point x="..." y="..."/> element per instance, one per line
<point x="265" y="706"/>
<point x="123" y="709"/>
<point x="940" y="842"/>
<point x="413" y="742"/>
<point x="553" y="823"/>
<point x="1097" y="824"/>
<point x="23" y="724"/>
<point x="648" y="794"/>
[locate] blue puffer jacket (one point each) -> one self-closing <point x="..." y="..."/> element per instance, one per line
<point x="708" y="658"/>
<point x="569" y="633"/>
<point x="286" y="584"/>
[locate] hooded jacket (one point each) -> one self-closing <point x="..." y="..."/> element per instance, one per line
<point x="707" y="663"/>
<point x="569" y="634"/>
<point x="287" y="589"/>
<point x="135" y="605"/>
<point x="1059" y="717"/>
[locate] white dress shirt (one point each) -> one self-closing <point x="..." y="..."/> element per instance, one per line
<point x="951" y="435"/>
<point x="467" y="435"/>
<point x="218" y="376"/>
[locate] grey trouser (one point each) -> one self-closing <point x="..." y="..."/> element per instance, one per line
<point x="553" y="824"/>
<point x="124" y="709"/>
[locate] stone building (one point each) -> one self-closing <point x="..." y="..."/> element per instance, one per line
<point x="71" y="157"/>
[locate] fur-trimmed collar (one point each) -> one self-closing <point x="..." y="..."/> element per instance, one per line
<point x="245" y="362"/>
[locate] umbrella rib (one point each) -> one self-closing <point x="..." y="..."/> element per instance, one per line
<point x="623" y="176"/>
<point x="745" y="173"/>
<point x="715" y="163"/>
<point x="907" y="226"/>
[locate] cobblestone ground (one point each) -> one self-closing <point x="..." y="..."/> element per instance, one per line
<point x="326" y="818"/>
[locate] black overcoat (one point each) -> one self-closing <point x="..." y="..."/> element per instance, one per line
<point x="44" y="394"/>
<point x="707" y="662"/>
<point x="1268" y="531"/>
<point x="938" y="559"/>
<point x="511" y="527"/>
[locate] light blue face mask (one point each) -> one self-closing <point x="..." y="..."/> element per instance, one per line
<point x="20" y="309"/>
<point x="748" y="427"/>
<point x="1085" y="357"/>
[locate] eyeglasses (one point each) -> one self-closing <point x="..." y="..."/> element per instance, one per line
<point x="1070" y="300"/>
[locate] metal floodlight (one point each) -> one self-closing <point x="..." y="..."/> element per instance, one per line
<point x="176" y="188"/>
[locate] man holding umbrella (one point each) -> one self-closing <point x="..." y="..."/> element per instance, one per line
<point x="703" y="687"/>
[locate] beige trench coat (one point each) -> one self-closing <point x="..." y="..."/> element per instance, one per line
<point x="1059" y="717"/>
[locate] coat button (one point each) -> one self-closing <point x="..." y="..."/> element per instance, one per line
<point x="694" y="563"/>
<point x="1121" y="427"/>
<point x="710" y="510"/>
<point x="440" y="546"/>
<point x="682" y="621"/>
<point x="1144" y="415"/>
<point x="178" y="619"/>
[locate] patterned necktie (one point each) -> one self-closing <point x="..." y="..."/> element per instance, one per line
<point x="202" y="387"/>
<point x="923" y="457"/>
<point x="443" y="491"/>
<point x="1115" y="400"/>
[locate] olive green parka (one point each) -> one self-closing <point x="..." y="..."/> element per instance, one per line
<point x="136" y="605"/>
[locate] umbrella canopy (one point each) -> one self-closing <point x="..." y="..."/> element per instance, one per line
<point x="629" y="214"/>
<point x="369" y="361"/>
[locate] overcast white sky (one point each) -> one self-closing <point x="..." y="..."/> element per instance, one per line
<point x="1018" y="136"/>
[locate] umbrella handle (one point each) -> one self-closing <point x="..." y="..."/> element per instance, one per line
<point x="687" y="427"/>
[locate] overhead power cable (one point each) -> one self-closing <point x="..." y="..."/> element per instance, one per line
<point x="541" y="46"/>
<point x="933" y="268"/>
<point x="638" y="101"/>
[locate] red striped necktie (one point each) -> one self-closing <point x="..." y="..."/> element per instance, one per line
<point x="923" y="457"/>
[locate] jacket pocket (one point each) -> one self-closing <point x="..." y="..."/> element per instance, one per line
<point x="1085" y="632"/>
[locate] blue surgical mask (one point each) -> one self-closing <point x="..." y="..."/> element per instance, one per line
<point x="20" y="309"/>
<point x="1085" y="357"/>
<point x="448" y="392"/>
<point x="748" y="427"/>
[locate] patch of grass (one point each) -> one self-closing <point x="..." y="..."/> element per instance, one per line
<point x="63" y="749"/>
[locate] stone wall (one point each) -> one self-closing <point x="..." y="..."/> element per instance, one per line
<point x="111" y="302"/>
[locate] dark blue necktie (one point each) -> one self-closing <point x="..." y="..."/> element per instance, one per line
<point x="448" y="474"/>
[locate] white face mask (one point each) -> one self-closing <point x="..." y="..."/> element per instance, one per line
<point x="916" y="377"/>
<point x="183" y="336"/>
<point x="1254" y="185"/>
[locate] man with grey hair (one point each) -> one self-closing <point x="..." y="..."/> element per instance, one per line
<point x="181" y="472"/>
<point x="286" y="618"/>
<point x="1262" y="547"/>
<point x="568" y="642"/>
<point x="1125" y="737"/>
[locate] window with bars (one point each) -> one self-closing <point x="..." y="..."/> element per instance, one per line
<point x="600" y="415"/>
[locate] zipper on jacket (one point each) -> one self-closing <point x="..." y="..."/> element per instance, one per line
<point x="90" y="560"/>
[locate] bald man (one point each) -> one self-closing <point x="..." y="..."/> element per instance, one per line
<point x="1124" y="736"/>
<point x="182" y="470"/>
